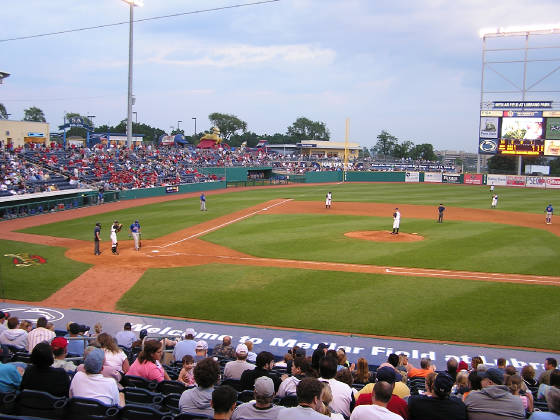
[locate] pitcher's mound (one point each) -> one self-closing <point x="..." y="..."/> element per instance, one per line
<point x="384" y="236"/>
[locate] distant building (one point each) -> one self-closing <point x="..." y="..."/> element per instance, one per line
<point x="18" y="133"/>
<point x="319" y="148"/>
<point x="449" y="157"/>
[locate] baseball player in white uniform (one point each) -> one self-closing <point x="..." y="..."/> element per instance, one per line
<point x="396" y="221"/>
<point x="115" y="228"/>
<point x="494" y="200"/>
<point x="328" y="200"/>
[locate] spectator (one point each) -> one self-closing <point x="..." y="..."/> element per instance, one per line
<point x="514" y="383"/>
<point x="452" y="365"/>
<point x="235" y="368"/>
<point x="461" y="384"/>
<point x="475" y="361"/>
<point x="301" y="368"/>
<point x="225" y="349"/>
<point x="501" y="364"/>
<point x="59" y="347"/>
<point x="343" y="396"/>
<point x="14" y="336"/>
<point x="362" y="375"/>
<point x="10" y="377"/>
<point x="197" y="400"/>
<point x="186" y="346"/>
<point x="326" y="399"/>
<point x="550" y="364"/>
<point x="463" y="366"/>
<point x="3" y="318"/>
<point x="528" y="374"/>
<point x="116" y="360"/>
<point x="345" y="376"/>
<point x="474" y="383"/>
<point x="494" y="399"/>
<point x="429" y="384"/>
<point x="138" y="344"/>
<point x="200" y="351"/>
<point x="41" y="376"/>
<point x="265" y="362"/>
<point x="91" y="383"/>
<point x="317" y="355"/>
<point x="39" y="334"/>
<point x="343" y="360"/>
<point x="553" y="403"/>
<point x="224" y="399"/>
<point x="262" y="408"/>
<point x="385" y="374"/>
<point x="148" y="365"/>
<point x="287" y="360"/>
<point x="126" y="337"/>
<point x="251" y="355"/>
<point x="378" y="410"/>
<point x="554" y="379"/>
<point x="440" y="406"/>
<point x="75" y="347"/>
<point x="309" y="407"/>
<point x="426" y="367"/>
<point x="186" y="376"/>
<point x="393" y="361"/>
<point x="396" y="404"/>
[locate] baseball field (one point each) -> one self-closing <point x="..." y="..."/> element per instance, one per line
<point x="276" y="256"/>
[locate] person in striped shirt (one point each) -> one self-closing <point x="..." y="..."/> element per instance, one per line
<point x="39" y="334"/>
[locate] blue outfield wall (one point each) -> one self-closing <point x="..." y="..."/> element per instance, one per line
<point x="278" y="340"/>
<point x="375" y="176"/>
<point x="181" y="189"/>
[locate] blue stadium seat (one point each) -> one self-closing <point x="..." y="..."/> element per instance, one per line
<point x="141" y="396"/>
<point x="168" y="387"/>
<point x="143" y="412"/>
<point x="90" y="409"/>
<point x="191" y="416"/>
<point x="32" y="403"/>
<point x="138" y="382"/>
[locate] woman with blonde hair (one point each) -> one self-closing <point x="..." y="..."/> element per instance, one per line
<point x="115" y="359"/>
<point x="515" y="385"/>
<point x="362" y="375"/>
<point x="326" y="398"/>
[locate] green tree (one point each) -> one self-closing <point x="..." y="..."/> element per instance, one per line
<point x="402" y="150"/>
<point x="77" y="131"/>
<point x="3" y="112"/>
<point x="251" y="138"/>
<point x="555" y="167"/>
<point x="151" y="134"/>
<point x="34" y="114"/>
<point x="228" y="124"/>
<point x="305" y="129"/>
<point x="364" y="153"/>
<point x="500" y="164"/>
<point x="424" y="151"/>
<point x="385" y="144"/>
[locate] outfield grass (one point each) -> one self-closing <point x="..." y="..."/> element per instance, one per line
<point x="452" y="245"/>
<point x="164" y="218"/>
<point x="416" y="307"/>
<point x="36" y="282"/>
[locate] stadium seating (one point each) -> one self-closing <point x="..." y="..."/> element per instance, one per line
<point x="32" y="403"/>
<point x="90" y="409"/>
<point x="143" y="412"/>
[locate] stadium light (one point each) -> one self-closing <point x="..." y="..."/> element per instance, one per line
<point x="132" y="4"/>
<point x="520" y="30"/>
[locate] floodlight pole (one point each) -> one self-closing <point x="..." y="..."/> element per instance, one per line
<point x="130" y="51"/>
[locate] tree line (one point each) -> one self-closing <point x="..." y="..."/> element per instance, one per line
<point x="389" y="146"/>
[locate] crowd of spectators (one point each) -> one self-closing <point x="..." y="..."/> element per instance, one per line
<point x="39" y="169"/>
<point x="222" y="383"/>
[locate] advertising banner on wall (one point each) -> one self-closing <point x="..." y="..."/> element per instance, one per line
<point x="535" y="181"/>
<point x="515" y="181"/>
<point x="496" y="179"/>
<point x="432" y="177"/>
<point x="488" y="128"/>
<point x="451" y="178"/>
<point x="552" y="147"/>
<point x="473" y="179"/>
<point x="552" y="182"/>
<point x="412" y="177"/>
<point x="553" y="128"/>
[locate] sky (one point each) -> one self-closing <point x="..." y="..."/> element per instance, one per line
<point x="410" y="67"/>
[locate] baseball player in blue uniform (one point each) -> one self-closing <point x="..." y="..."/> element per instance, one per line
<point x="440" y="210"/>
<point x="135" y="232"/>
<point x="202" y="202"/>
<point x="549" y="212"/>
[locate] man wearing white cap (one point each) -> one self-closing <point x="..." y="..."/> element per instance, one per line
<point x="235" y="368"/>
<point x="201" y="351"/>
<point x="262" y="407"/>
<point x="186" y="346"/>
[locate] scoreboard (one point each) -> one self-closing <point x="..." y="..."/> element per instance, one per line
<point x="519" y="132"/>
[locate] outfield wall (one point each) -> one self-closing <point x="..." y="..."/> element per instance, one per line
<point x="181" y="189"/>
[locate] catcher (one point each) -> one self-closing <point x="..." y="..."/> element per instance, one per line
<point x="115" y="228"/>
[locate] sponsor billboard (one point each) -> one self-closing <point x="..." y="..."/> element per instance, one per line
<point x="496" y="179"/>
<point x="451" y="178"/>
<point x="473" y="179"/>
<point x="515" y="181"/>
<point x="487" y="146"/>
<point x="552" y="128"/>
<point x="489" y="128"/>
<point x="412" y="177"/>
<point x="521" y="104"/>
<point x="552" y="182"/>
<point x="535" y="182"/>
<point x="432" y="177"/>
<point x="552" y="147"/>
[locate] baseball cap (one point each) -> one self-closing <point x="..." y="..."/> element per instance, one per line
<point x="143" y="333"/>
<point x="264" y="386"/>
<point x="127" y="325"/>
<point x="443" y="384"/>
<point x="74" y="328"/>
<point x="462" y="366"/>
<point x="190" y="331"/>
<point x="386" y="374"/>
<point x="241" y="348"/>
<point x="201" y="345"/>
<point x="494" y="374"/>
<point x="93" y="362"/>
<point x="300" y="352"/>
<point x="59" y="343"/>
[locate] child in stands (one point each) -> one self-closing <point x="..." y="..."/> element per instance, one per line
<point x="186" y="376"/>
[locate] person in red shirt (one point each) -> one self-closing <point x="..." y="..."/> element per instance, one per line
<point x="426" y="367"/>
<point x="396" y="404"/>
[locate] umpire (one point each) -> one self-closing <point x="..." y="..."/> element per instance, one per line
<point x="96" y="233"/>
<point x="135" y="232"/>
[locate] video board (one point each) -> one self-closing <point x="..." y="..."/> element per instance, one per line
<point x="514" y="132"/>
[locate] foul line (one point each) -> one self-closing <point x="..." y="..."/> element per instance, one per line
<point x="225" y="224"/>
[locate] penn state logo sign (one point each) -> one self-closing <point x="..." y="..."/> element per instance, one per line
<point x="33" y="313"/>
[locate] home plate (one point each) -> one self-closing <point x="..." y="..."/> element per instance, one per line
<point x="266" y="208"/>
<point x="155" y="250"/>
